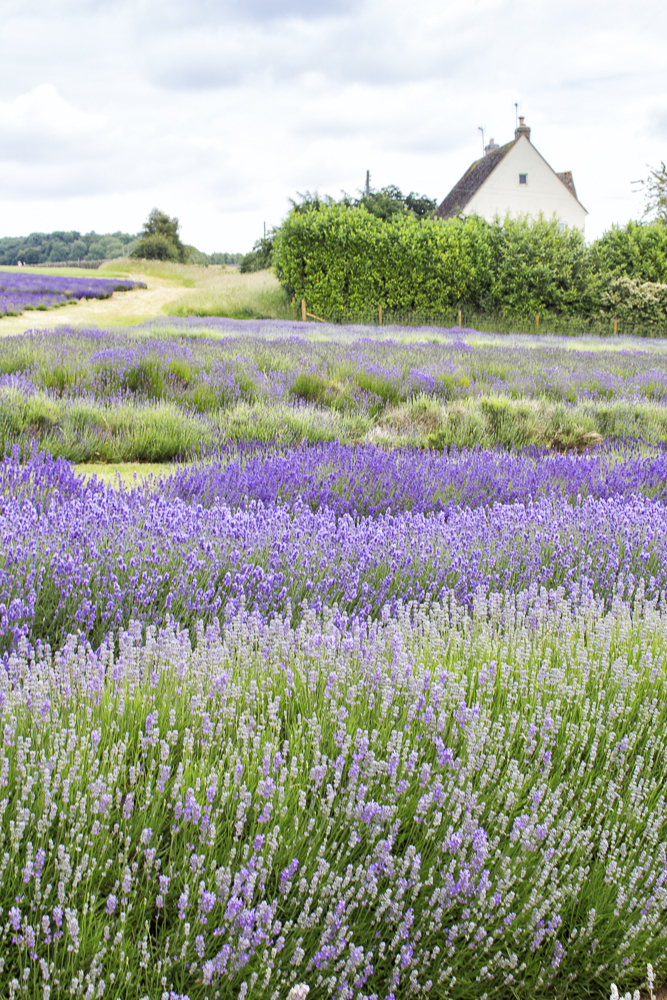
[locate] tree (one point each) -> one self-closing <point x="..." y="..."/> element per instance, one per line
<point x="159" y="239"/>
<point x="389" y="202"/>
<point x="655" y="193"/>
<point x="260" y="258"/>
<point x="386" y="203"/>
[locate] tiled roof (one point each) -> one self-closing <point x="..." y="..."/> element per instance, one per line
<point x="471" y="182"/>
<point x="568" y="181"/>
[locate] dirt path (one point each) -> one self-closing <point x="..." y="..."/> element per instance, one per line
<point x="122" y="309"/>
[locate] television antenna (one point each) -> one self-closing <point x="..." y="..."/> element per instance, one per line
<point x="481" y="129"/>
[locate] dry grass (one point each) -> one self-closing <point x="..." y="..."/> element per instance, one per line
<point x="238" y="296"/>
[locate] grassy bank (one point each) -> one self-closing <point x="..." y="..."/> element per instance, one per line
<point x="85" y="431"/>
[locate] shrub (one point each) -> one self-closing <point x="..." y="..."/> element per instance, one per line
<point x="634" y="301"/>
<point x="260" y="258"/>
<point x="155" y="247"/>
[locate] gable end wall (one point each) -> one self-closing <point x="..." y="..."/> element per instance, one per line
<point x="545" y="192"/>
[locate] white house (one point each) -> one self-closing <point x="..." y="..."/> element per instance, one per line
<point x="514" y="180"/>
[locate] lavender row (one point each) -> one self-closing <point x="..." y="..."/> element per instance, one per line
<point x="20" y="291"/>
<point x="93" y="561"/>
<point x="448" y="804"/>
<point x="208" y="371"/>
<point x="14" y="303"/>
<point x="368" y="481"/>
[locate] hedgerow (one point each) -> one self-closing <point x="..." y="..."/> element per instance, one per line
<point x="345" y="262"/>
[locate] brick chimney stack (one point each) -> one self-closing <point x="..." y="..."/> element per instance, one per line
<point x="522" y="129"/>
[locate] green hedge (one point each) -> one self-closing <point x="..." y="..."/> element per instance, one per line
<point x="346" y="263"/>
<point x="346" y="260"/>
<point x="636" y="250"/>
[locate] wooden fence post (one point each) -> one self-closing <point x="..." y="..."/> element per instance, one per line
<point x="303" y="310"/>
<point x="459" y="317"/>
<point x="380" y="310"/>
<point x="537" y="322"/>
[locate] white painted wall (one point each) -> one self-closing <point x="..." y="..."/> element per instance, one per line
<point x="501" y="194"/>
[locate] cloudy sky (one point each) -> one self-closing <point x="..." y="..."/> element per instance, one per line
<point x="219" y="111"/>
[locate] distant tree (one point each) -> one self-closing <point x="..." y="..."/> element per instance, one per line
<point x="420" y="205"/>
<point x="59" y="246"/>
<point x="156" y="247"/>
<point x="260" y="258"/>
<point x="78" y="249"/>
<point x="159" y="239"/>
<point x="390" y="201"/>
<point x="59" y="250"/>
<point x="310" y="201"/>
<point x="225" y="258"/>
<point x="655" y="193"/>
<point x="194" y="256"/>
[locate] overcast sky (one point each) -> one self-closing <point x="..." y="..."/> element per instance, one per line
<point x="219" y="111"/>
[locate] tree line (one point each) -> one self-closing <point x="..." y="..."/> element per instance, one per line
<point x="158" y="240"/>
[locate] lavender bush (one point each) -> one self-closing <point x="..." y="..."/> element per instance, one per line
<point x="368" y="481"/>
<point x="453" y="802"/>
<point x="83" y="557"/>
<point x="208" y="364"/>
<point x="20" y="291"/>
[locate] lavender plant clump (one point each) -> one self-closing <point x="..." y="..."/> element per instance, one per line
<point x="20" y="291"/>
<point x="448" y="802"/>
<point x="206" y="365"/>
<point x="83" y="557"/>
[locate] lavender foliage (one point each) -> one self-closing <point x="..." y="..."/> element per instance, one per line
<point x="368" y="481"/>
<point x="454" y="803"/>
<point x="207" y="371"/>
<point x="334" y="720"/>
<point x="82" y="557"/>
<point x="20" y="291"/>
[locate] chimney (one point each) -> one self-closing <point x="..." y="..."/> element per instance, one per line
<point x="522" y="129"/>
<point x="490" y="148"/>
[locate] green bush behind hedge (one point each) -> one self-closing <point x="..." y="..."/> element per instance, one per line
<point x="345" y="261"/>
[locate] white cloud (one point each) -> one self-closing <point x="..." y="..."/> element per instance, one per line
<point x="41" y="127"/>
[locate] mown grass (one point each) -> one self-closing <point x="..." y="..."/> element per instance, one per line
<point x="184" y="275"/>
<point x="220" y="291"/>
<point x="123" y="473"/>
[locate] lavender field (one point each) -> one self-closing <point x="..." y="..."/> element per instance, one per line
<point x="340" y="700"/>
<point x="177" y="388"/>
<point x="20" y="291"/>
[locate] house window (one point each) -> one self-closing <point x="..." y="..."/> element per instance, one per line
<point x="561" y="227"/>
<point x="523" y="178"/>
